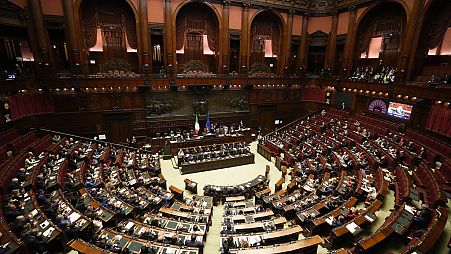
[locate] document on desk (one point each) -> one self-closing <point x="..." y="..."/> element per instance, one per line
<point x="410" y="209"/>
<point x="129" y="225"/>
<point x="329" y="220"/>
<point x="74" y="216"/>
<point x="48" y="232"/>
<point x="170" y="250"/>
<point x="34" y="212"/>
<point x="370" y="217"/>
<point x="44" y="224"/>
<point x="353" y="228"/>
<point x="254" y="239"/>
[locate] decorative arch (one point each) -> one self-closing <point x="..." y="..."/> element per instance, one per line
<point x="208" y="4"/>
<point x="266" y="26"/>
<point x="433" y="29"/>
<point x="390" y="24"/>
<point x="115" y="22"/>
<point x="197" y="35"/>
<point x="372" y="6"/>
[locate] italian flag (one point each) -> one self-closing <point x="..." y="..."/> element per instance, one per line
<point x="196" y="125"/>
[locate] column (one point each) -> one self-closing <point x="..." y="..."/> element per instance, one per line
<point x="302" y="56"/>
<point x="410" y="41"/>
<point x="331" y="48"/>
<point x="40" y="32"/>
<point x="74" y="48"/>
<point x="244" y="42"/>
<point x="225" y="37"/>
<point x="287" y="49"/>
<point x="146" y="65"/>
<point x="350" y="41"/>
<point x="168" y="38"/>
<point x="32" y="37"/>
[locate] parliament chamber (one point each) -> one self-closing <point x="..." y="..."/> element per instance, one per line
<point x="225" y="126"/>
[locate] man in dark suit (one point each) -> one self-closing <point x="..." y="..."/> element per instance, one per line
<point x="192" y="242"/>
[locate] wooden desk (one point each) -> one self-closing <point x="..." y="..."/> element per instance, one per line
<point x="284" y="233"/>
<point x="190" y="185"/>
<point x="225" y="162"/>
<point x="184" y="215"/>
<point x="235" y="199"/>
<point x="284" y="171"/>
<point x="275" y="237"/>
<point x="427" y="240"/>
<point x="254" y="226"/>
<point x="309" y="245"/>
<point x="278" y="185"/>
<point x="318" y="223"/>
<point x="252" y="217"/>
<point x="292" y="185"/>
<point x="264" y="151"/>
<point x="178" y="193"/>
<point x="84" y="247"/>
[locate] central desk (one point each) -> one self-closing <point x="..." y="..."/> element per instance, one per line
<point x="211" y="164"/>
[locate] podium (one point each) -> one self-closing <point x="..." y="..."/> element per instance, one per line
<point x="167" y="155"/>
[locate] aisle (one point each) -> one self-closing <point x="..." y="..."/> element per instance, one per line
<point x="213" y="235"/>
<point x="226" y="176"/>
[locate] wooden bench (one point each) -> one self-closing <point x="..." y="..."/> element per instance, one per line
<point x="284" y="171"/>
<point x="163" y="185"/>
<point x="278" y="185"/>
<point x="291" y="186"/>
<point x="190" y="185"/>
<point x="178" y="193"/>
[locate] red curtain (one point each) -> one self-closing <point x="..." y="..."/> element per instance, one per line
<point x="438" y="25"/>
<point x="439" y="121"/>
<point x="23" y="105"/>
<point x="197" y="18"/>
<point x="313" y="94"/>
<point x="107" y="13"/>
<point x="266" y="26"/>
<point x="445" y="130"/>
<point x="431" y="118"/>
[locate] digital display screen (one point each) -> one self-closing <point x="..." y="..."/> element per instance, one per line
<point x="399" y="110"/>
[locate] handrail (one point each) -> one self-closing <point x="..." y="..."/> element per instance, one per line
<point x="93" y="140"/>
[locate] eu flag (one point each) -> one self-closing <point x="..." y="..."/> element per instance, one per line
<point x="207" y="123"/>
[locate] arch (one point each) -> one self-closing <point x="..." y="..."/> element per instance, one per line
<point x="390" y="54"/>
<point x="78" y="3"/>
<point x="374" y="5"/>
<point x="120" y="34"/>
<point x="277" y="14"/>
<point x="208" y="4"/>
<point x="257" y="59"/>
<point x="207" y="25"/>
<point x="421" y="41"/>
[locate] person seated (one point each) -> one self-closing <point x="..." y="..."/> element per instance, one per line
<point x="227" y="230"/>
<point x="193" y="242"/>
<point x="148" y="249"/>
<point x="353" y="213"/>
<point x="422" y="153"/>
<point x="34" y="239"/>
<point x="411" y="147"/>
<point x="338" y="221"/>
<point x="422" y="217"/>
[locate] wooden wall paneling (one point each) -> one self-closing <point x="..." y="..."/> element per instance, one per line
<point x="266" y="117"/>
<point x="117" y="126"/>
